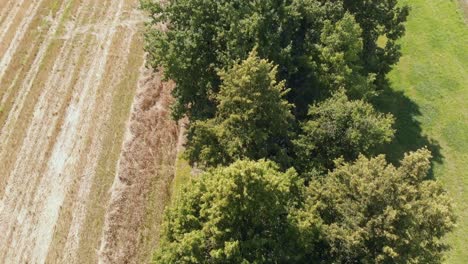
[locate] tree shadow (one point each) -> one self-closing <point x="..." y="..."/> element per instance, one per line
<point x="408" y="135"/>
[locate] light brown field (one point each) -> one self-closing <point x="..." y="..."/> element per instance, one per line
<point x="85" y="167"/>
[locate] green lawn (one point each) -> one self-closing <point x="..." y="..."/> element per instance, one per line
<point x="182" y="176"/>
<point x="429" y="96"/>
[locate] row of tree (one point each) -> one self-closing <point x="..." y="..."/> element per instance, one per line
<point x="277" y="93"/>
<point x="363" y="212"/>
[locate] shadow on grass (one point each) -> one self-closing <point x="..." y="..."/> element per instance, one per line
<point x="409" y="135"/>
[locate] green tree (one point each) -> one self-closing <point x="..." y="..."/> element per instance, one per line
<point x="203" y="36"/>
<point x="253" y="118"/>
<point x="238" y="214"/>
<point x="373" y="212"/>
<point x="339" y="64"/>
<point x="338" y="127"/>
<point x="379" y="19"/>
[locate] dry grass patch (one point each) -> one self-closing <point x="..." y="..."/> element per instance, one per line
<point x="106" y="168"/>
<point x="25" y="116"/>
<point x="141" y="189"/>
<point x="65" y="217"/>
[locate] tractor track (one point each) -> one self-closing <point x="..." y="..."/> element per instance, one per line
<point x="69" y="71"/>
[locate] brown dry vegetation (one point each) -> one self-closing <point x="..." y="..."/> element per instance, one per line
<point x="68" y="75"/>
<point x="145" y="173"/>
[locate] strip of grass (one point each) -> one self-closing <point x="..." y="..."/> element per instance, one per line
<point x="429" y="94"/>
<point x="182" y="176"/>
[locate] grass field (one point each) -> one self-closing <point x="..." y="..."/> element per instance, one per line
<point x="429" y="95"/>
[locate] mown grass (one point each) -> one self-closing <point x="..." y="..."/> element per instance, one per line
<point x="182" y="176"/>
<point x="428" y="93"/>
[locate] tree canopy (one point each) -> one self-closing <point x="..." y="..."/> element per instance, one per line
<point x="379" y="19"/>
<point x="367" y="211"/>
<point x="253" y="119"/>
<point x="373" y="212"/>
<point x="204" y="36"/>
<point x="237" y="214"/>
<point x="339" y="127"/>
<point x="339" y="63"/>
<point x="277" y="94"/>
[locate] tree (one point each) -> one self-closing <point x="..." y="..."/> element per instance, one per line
<point x="339" y="63"/>
<point x="204" y="36"/>
<point x="379" y="19"/>
<point x="373" y="212"/>
<point x="367" y="211"/>
<point x="338" y="127"/>
<point x="253" y="119"/>
<point x="238" y="214"/>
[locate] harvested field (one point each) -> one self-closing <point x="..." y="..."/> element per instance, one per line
<point x="70" y="190"/>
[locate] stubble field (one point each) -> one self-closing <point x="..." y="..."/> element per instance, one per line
<point x="75" y="186"/>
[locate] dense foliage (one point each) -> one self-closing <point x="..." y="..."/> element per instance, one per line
<point x="379" y="19"/>
<point x="250" y="103"/>
<point x="339" y="65"/>
<point x="362" y="212"/>
<point x="373" y="212"/>
<point x="237" y="214"/>
<point x="338" y="127"/>
<point x="204" y="36"/>
<point x="278" y="86"/>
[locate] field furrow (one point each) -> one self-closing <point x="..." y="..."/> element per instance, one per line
<point x="68" y="75"/>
